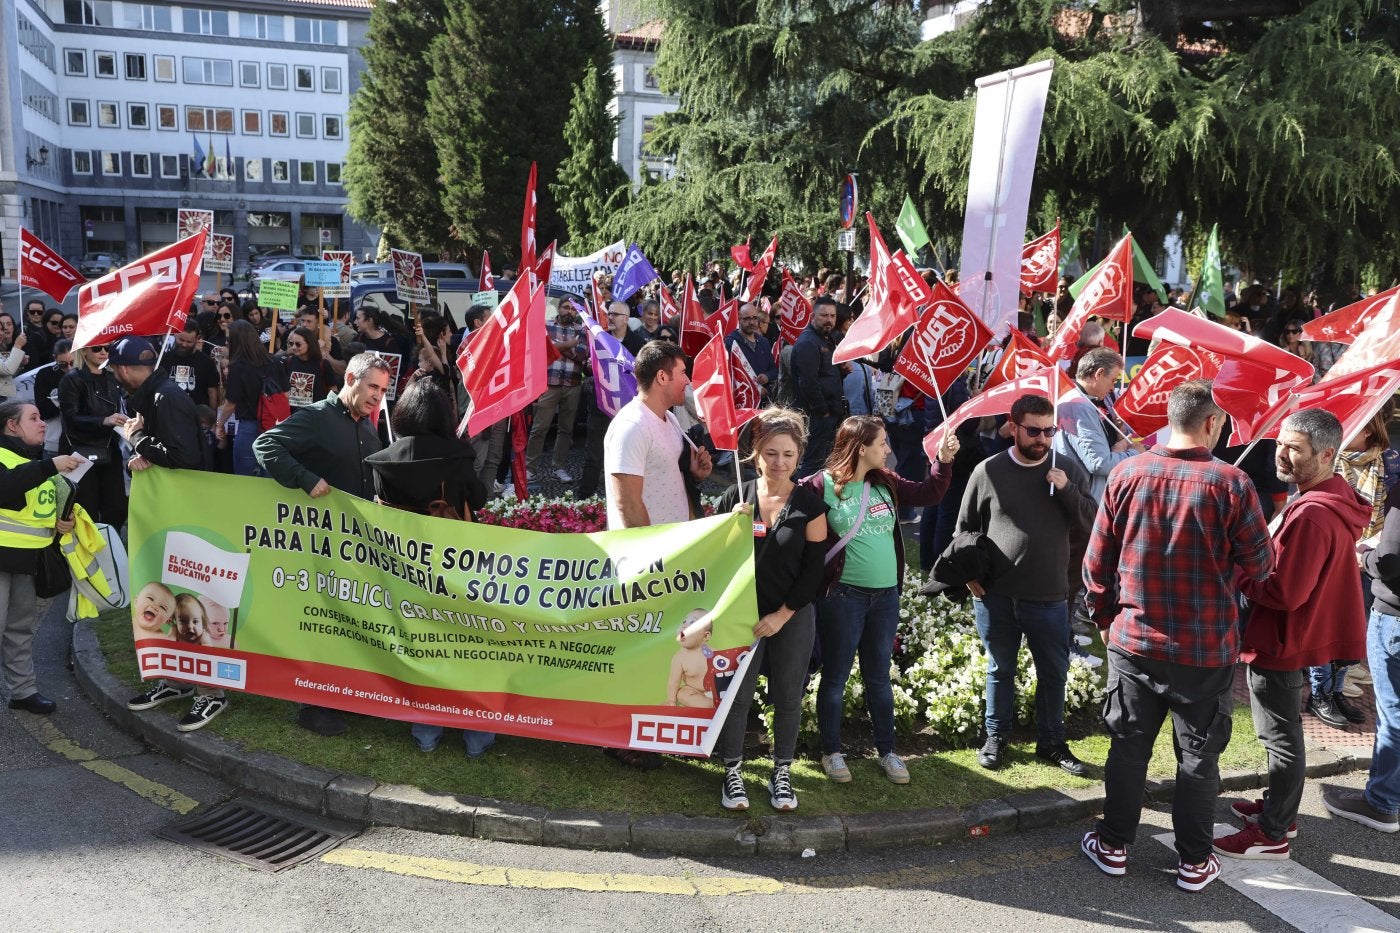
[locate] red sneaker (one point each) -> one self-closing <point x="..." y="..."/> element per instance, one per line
<point x="1110" y="861"/>
<point x="1249" y="810"/>
<point x="1195" y="877"/>
<point x="1251" y="842"/>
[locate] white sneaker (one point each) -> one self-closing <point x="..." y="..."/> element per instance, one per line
<point x="1083" y="641"/>
<point x="563" y="476"/>
<point x="895" y="769"/>
<point x="1084" y="659"/>
<point x="835" y="768"/>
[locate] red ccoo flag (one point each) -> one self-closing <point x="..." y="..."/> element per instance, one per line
<point x="698" y="328"/>
<point x="759" y="275"/>
<point x="1345" y="324"/>
<point x="897" y="295"/>
<point x="1020" y="358"/>
<point x="488" y="281"/>
<point x="1040" y="262"/>
<point x="794" y="310"/>
<point x="714" y="396"/>
<point x="42" y="268"/>
<point x="527" y="224"/>
<point x="669" y="309"/>
<point x="947" y="338"/>
<point x="1052" y="383"/>
<point x="147" y="297"/>
<point x="504" y="365"/>
<point x="1143" y="404"/>
<point x="1108" y="294"/>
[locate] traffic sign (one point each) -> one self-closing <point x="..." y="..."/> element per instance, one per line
<point x="848" y="202"/>
<point x="846" y="240"/>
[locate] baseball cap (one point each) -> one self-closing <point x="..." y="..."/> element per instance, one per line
<point x="131" y="351"/>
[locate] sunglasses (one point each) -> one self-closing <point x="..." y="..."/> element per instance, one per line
<point x="1293" y="332"/>
<point x="210" y="301"/>
<point x="226" y="316"/>
<point x="97" y="349"/>
<point x="56" y="322"/>
<point x="1037" y="432"/>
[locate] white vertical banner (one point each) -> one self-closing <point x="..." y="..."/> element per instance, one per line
<point x="1010" y="105"/>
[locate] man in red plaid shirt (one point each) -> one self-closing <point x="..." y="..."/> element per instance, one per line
<point x="1174" y="525"/>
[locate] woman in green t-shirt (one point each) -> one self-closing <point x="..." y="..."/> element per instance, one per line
<point x="864" y="567"/>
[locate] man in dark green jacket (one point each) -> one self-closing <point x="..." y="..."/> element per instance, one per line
<point x="323" y="447"/>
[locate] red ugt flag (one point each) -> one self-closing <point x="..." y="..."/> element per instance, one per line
<point x="947" y="338"/>
<point x="1040" y="262"/>
<point x="488" y="281"/>
<point x="42" y="268"/>
<point x="1020" y="358"/>
<point x="1378" y="341"/>
<point x="1108" y="294"/>
<point x="504" y="364"/>
<point x="794" y="310"/>
<point x="714" y="396"/>
<point x="527" y="223"/>
<point x="147" y="297"/>
<point x="1353" y="398"/>
<point x="1143" y="404"/>
<point x="897" y="295"/>
<point x="747" y="392"/>
<point x="1052" y="383"/>
<point x="1345" y="324"/>
<point x="760" y="272"/>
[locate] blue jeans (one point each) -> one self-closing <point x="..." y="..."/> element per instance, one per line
<point x="1327" y="679"/>
<point x="244" y="463"/>
<point x="1001" y="621"/>
<point x="851" y="619"/>
<point x="428" y="737"/>
<point x="1383" y="652"/>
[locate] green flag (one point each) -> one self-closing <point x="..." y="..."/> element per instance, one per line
<point x="1143" y="274"/>
<point x="1209" y="293"/>
<point x="1069" y="250"/>
<point x="910" y="228"/>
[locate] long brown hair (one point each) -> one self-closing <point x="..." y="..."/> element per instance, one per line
<point x="855" y="432"/>
<point x="243" y="344"/>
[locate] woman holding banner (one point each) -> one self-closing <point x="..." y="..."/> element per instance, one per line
<point x="789" y="531"/>
<point x="89" y="402"/>
<point x="864" y="568"/>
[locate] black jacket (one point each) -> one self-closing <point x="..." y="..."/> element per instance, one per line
<point x="413" y="471"/>
<point x="816" y="382"/>
<point x="969" y="556"/>
<point x="85" y="399"/>
<point x="170" y="436"/>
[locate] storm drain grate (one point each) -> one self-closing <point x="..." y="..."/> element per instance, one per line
<point x="252" y="836"/>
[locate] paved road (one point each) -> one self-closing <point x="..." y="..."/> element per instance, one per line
<point x="79" y="803"/>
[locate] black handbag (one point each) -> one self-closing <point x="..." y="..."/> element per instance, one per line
<point x="98" y="455"/>
<point x="53" y="576"/>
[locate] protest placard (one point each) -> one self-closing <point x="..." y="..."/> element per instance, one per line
<point x="219" y="257"/>
<point x="490" y="298"/>
<point x="280" y="295"/>
<point x="346" y="260"/>
<point x="190" y="221"/>
<point x="321" y="273"/>
<point x="410" y="281"/>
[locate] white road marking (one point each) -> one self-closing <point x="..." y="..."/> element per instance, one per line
<point x="1300" y="897"/>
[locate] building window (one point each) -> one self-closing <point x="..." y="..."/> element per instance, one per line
<point x="249" y="74"/>
<point x="306" y="78"/>
<point x="260" y="26"/>
<point x="36" y="42"/>
<point x="87" y="12"/>
<point x="307" y="172"/>
<point x="332" y="173"/>
<point x="78" y="114"/>
<point x="82" y="162"/>
<point x="206" y="22"/>
<point x="649" y="78"/>
<point x="141" y="164"/>
<point x="169" y="166"/>
<point x="277" y="123"/>
<point x="104" y="64"/>
<point x="331" y="126"/>
<point x="252" y="123"/>
<point x="330" y="80"/>
<point x="111" y="163"/>
<point x="252" y="170"/>
<point x="107" y="114"/>
<point x="317" y="31"/>
<point x="135" y="66"/>
<point x="279" y="170"/>
<point x="75" y="62"/>
<point x="164" y="67"/>
<point x="209" y="119"/>
<point x="138" y="116"/>
<point x="276" y="77"/>
<point x="145" y="16"/>
<point x="167" y="117"/>
<point x="306" y="126"/>
<point x="209" y="71"/>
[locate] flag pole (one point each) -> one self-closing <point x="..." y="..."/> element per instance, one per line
<point x="163" y="344"/>
<point x="321" y="313"/>
<point x="1055" y="403"/>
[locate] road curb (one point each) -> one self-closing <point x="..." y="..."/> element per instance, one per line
<point x="360" y="799"/>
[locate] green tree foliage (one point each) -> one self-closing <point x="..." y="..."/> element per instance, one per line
<point x="391" y="174"/>
<point x="503" y="71"/>
<point x="589" y="176"/>
<point x="1280" y="123"/>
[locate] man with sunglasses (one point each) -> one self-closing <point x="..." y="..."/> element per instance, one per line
<point x="1027" y="503"/>
<point x="39" y="345"/>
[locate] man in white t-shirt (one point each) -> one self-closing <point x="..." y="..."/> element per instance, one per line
<point x="642" y="449"/>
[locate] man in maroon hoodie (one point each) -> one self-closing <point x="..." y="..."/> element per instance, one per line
<point x="1308" y="611"/>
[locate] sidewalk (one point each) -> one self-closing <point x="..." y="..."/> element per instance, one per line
<point x="360" y="799"/>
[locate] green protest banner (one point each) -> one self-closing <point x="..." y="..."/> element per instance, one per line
<point x="279" y="295"/>
<point x="344" y="603"/>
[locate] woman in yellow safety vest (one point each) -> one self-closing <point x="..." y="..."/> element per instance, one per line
<point x="29" y="522"/>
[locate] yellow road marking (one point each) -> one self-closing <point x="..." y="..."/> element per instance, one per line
<point x="48" y="735"/>
<point x="501" y="876"/>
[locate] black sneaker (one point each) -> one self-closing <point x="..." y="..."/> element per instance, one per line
<point x="1350" y="713"/>
<point x="1062" y="756"/>
<point x="322" y="721"/>
<point x="990" y="755"/>
<point x="160" y="692"/>
<point x="780" y="792"/>
<point x="732" y="795"/>
<point x="1323" y="708"/>
<point x="203" y="710"/>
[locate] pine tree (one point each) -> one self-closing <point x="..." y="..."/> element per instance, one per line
<point x="391" y="174"/>
<point x="589" y="176"/>
<point x="503" y="73"/>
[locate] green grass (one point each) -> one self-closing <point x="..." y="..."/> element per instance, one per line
<point x="560" y="776"/>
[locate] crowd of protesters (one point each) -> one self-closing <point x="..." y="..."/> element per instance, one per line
<point x="1058" y="523"/>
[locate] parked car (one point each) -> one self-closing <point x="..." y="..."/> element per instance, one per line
<point x="454" y="298"/>
<point x="96" y="265"/>
<point x="384" y="271"/>
<point x="278" y="270"/>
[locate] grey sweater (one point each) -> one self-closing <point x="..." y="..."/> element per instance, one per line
<point x="1029" y="529"/>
